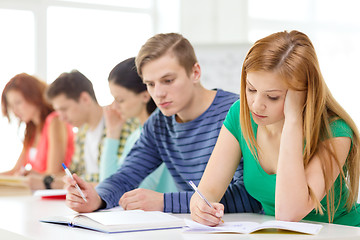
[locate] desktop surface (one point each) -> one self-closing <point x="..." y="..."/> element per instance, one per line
<point x="19" y="219"/>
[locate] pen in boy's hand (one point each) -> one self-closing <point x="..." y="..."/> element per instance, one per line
<point x="202" y="196"/>
<point x="67" y="171"/>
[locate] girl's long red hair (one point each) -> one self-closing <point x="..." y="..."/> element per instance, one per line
<point x="292" y="56"/>
<point x="33" y="90"/>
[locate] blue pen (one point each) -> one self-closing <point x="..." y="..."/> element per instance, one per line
<point x="67" y="171"/>
<point x="202" y="196"/>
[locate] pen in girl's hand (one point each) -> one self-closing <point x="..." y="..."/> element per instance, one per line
<point x="67" y="171"/>
<point x="202" y="196"/>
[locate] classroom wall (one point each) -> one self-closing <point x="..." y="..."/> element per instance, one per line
<point x="222" y="29"/>
<point x="214" y="21"/>
<point x="221" y="65"/>
<point x="219" y="38"/>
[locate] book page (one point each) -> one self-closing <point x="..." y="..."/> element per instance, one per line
<point x="119" y="221"/>
<point x="130" y="217"/>
<point x="13" y="186"/>
<point x="302" y="227"/>
<point x="114" y="209"/>
<point x="249" y="227"/>
<point x="237" y="227"/>
<point x="14" y="181"/>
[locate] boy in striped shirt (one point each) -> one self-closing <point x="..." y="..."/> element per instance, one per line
<point x="182" y="133"/>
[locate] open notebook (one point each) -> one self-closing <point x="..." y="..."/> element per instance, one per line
<point x="119" y="221"/>
<point x="250" y="227"/>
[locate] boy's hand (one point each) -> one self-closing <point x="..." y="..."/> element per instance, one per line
<point x="143" y="199"/>
<point x="74" y="199"/>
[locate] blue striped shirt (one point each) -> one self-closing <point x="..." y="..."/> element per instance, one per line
<point x="185" y="148"/>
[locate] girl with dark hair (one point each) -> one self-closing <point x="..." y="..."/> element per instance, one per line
<point x="131" y="100"/>
<point x="48" y="142"/>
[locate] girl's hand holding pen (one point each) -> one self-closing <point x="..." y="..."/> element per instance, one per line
<point x="202" y="213"/>
<point x="74" y="199"/>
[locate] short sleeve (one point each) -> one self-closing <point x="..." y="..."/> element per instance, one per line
<point x="232" y="120"/>
<point x="339" y="128"/>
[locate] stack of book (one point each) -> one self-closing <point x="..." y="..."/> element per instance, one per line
<point x="13" y="186"/>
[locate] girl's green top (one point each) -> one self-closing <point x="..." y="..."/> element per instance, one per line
<point x="261" y="185"/>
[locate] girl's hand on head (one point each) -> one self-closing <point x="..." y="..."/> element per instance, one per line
<point x="294" y="104"/>
<point x="113" y="122"/>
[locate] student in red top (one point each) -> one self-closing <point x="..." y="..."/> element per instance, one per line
<point x="48" y="142"/>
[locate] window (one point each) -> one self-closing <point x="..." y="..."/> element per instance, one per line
<point x="17" y="55"/>
<point x="47" y="38"/>
<point x="93" y="42"/>
<point x="283" y="10"/>
<point x="121" y="3"/>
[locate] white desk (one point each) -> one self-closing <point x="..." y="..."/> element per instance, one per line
<point x="19" y="219"/>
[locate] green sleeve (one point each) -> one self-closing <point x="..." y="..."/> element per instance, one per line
<point x="339" y="128"/>
<point x="232" y="120"/>
<point x="109" y="158"/>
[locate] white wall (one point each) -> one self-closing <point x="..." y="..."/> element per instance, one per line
<point x="333" y="27"/>
<point x="214" y="21"/>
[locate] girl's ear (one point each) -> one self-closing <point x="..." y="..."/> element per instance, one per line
<point x="145" y="96"/>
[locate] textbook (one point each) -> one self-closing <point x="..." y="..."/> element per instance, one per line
<point x="251" y="227"/>
<point x="119" y="221"/>
<point x="13" y="185"/>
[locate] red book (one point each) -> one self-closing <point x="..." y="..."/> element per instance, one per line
<point x="51" y="194"/>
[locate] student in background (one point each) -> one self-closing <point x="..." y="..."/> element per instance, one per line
<point x="48" y="142"/>
<point x="73" y="97"/>
<point x="299" y="146"/>
<point x="181" y="133"/>
<point x="131" y="100"/>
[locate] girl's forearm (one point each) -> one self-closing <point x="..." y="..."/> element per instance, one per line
<point x="292" y="195"/>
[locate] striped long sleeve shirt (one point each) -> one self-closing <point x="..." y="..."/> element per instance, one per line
<point x="185" y="148"/>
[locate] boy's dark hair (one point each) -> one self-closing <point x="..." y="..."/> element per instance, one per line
<point x="71" y="84"/>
